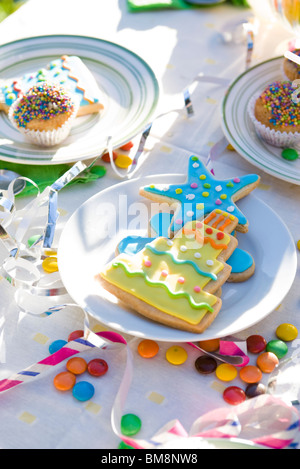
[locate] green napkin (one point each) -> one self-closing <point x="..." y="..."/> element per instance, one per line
<point x="143" y="5"/>
<point x="45" y="175"/>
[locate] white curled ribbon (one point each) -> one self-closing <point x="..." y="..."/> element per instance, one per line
<point x="101" y="340"/>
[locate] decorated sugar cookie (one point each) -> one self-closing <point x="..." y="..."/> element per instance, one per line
<point x="241" y="262"/>
<point x="68" y="71"/>
<point x="201" y="194"/>
<point x="174" y="281"/>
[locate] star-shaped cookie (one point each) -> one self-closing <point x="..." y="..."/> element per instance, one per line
<point x="201" y="194"/>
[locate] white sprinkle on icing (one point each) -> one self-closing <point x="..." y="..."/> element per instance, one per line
<point x="183" y="248"/>
<point x="189" y="213"/>
<point x="209" y="262"/>
<point x="218" y="188"/>
<point x="197" y="255"/>
<point x="230" y="208"/>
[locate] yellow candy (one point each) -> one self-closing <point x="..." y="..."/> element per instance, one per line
<point x="50" y="264"/>
<point x="123" y="161"/>
<point x="298" y="244"/>
<point x="286" y="332"/>
<point x="226" y="372"/>
<point x="176" y="355"/>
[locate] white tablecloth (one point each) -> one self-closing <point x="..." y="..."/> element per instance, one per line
<point x="177" y="45"/>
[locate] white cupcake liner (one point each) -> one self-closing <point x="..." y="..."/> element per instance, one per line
<point x="272" y="136"/>
<point x="45" y="138"/>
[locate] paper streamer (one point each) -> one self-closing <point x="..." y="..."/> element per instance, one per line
<point x="264" y="420"/>
<point x="232" y="351"/>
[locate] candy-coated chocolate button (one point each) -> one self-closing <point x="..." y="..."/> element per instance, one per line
<point x="127" y="146"/>
<point x="64" y="381"/>
<point x="97" y="367"/>
<point x="289" y="154"/>
<point x="75" y="335"/>
<point x="50" y="264"/>
<point x="250" y="374"/>
<point x="76" y="365"/>
<point x="123" y="161"/>
<point x="234" y="395"/>
<point x="278" y="347"/>
<point x="106" y="156"/>
<point x="267" y="361"/>
<point x="130" y="424"/>
<point x="210" y="345"/>
<point x="56" y="345"/>
<point x="32" y="240"/>
<point x="83" y="391"/>
<point x="286" y="332"/>
<point x="226" y="372"/>
<point x="148" y="348"/>
<point x="255" y="389"/>
<point x="123" y="445"/>
<point x="176" y="355"/>
<point x="205" y="365"/>
<point x="298" y="244"/>
<point x="256" y="343"/>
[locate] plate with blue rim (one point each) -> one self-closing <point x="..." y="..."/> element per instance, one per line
<point x="129" y="88"/>
<point x="239" y="130"/>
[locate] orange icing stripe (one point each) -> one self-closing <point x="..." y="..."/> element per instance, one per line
<point x="226" y="223"/>
<point x="193" y="232"/>
<point x="214" y="244"/>
<point x="215" y="224"/>
<point x="209" y="218"/>
<point x="64" y="58"/>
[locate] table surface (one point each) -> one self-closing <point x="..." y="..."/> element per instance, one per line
<point x="177" y="45"/>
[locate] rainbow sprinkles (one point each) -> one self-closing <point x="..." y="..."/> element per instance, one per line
<point x="67" y="71"/>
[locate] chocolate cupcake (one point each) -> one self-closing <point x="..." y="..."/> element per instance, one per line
<point x="275" y="114"/>
<point x="44" y="114"/>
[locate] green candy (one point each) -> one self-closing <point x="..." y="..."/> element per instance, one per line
<point x="278" y="347"/>
<point x="130" y="424"/>
<point x="289" y="154"/>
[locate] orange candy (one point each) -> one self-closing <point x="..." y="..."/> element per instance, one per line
<point x="76" y="365"/>
<point x="64" y="381"/>
<point x="127" y="146"/>
<point x="148" y="348"/>
<point x="267" y="361"/>
<point x="210" y="345"/>
<point x="106" y="157"/>
<point x="250" y="374"/>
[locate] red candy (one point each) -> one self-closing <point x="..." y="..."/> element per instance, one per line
<point x="256" y="344"/>
<point x="234" y="395"/>
<point x="75" y="335"/>
<point x="97" y="367"/>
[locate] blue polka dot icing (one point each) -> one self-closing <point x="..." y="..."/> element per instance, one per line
<point x="202" y="193"/>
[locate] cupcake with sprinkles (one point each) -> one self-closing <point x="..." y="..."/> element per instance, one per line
<point x="291" y="70"/>
<point x="275" y="114"/>
<point x="44" y="114"/>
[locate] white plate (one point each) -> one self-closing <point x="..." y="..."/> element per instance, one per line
<point x="239" y="129"/>
<point x="129" y="87"/>
<point x="91" y="235"/>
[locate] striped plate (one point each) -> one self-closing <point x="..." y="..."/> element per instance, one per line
<point x="130" y="91"/>
<point x="239" y="129"/>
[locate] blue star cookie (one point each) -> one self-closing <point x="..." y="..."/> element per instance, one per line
<point x="201" y="194"/>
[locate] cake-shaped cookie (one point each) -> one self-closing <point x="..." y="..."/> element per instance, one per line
<point x="275" y="114"/>
<point x="291" y="70"/>
<point x="177" y="282"/>
<point x="44" y="114"/>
